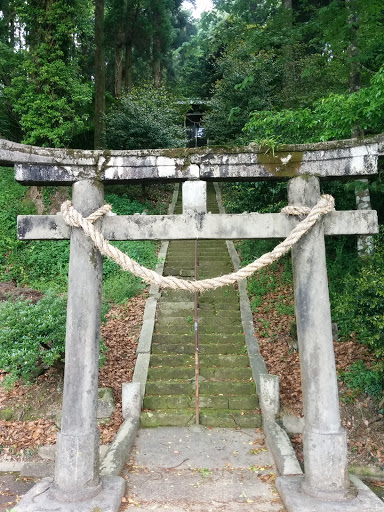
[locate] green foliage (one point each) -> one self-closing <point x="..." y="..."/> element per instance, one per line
<point x="48" y="92"/>
<point x="332" y="117"/>
<point x="361" y="379"/>
<point x="44" y="264"/>
<point x="118" y="285"/>
<point x="359" y="305"/>
<point x="263" y="197"/>
<point x="31" y="335"/>
<point x="147" y="117"/>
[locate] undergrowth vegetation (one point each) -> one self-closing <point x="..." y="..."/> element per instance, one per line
<point x="355" y="284"/>
<point x="32" y="335"/>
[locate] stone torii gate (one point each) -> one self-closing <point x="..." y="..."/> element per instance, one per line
<point x="77" y="484"/>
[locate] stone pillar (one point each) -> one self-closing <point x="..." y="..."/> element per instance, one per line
<point x="365" y="243"/>
<point x="325" y="443"/>
<point x="77" y="458"/>
<point x="194" y="197"/>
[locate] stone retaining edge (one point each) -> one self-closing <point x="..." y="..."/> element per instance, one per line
<point x="276" y="438"/>
<point x="121" y="447"/>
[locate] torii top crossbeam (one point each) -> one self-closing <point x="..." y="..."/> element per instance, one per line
<point x="336" y="159"/>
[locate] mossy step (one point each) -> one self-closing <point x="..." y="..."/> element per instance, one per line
<point x="174" y="312"/>
<point x="173" y="360"/>
<point x="208" y="417"/>
<point x="223" y="294"/>
<point x="202" y="266"/>
<point x="173" y="339"/>
<point x="170" y="387"/>
<point x="225" y="291"/>
<point x="180" y="308"/>
<point x="205" y="360"/>
<point x="245" y="402"/>
<point x="217" y="308"/>
<point x="176" y="296"/>
<point x="222" y="348"/>
<point x="188" y="372"/>
<point x="188" y="321"/>
<point x="230" y="419"/>
<point x="203" y="329"/>
<point x="176" y="271"/>
<point x="206" y="387"/>
<point x="167" y="418"/>
<point x="209" y="274"/>
<point x="186" y="257"/>
<point x="200" y="243"/>
<point x="169" y="372"/>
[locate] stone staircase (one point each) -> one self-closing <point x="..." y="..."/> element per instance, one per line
<point x="226" y="388"/>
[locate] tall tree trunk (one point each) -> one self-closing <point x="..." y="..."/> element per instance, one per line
<point x="128" y="80"/>
<point x="99" y="75"/>
<point x="365" y="244"/>
<point x="119" y="58"/>
<point x="156" y="50"/>
<point x="288" y="56"/>
<point x="156" y="61"/>
<point x="119" y="71"/>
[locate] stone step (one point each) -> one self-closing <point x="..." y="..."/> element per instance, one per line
<point x="208" y="417"/>
<point x="203" y="329"/>
<point x="206" y="387"/>
<point x="201" y="266"/>
<point x="180" y="272"/>
<point x="205" y="360"/>
<point x="222" y="348"/>
<point x="176" y="308"/>
<point x="186" y="321"/>
<point x="169" y="295"/>
<point x="186" y="256"/>
<point x="244" y="402"/>
<point x="205" y="339"/>
<point x="209" y="313"/>
<point x="231" y="419"/>
<point x="188" y="372"/>
<point x="211" y="305"/>
<point x="222" y="294"/>
<point x="190" y="244"/>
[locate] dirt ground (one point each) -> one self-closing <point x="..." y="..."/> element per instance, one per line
<point x="36" y="426"/>
<point x="359" y="414"/>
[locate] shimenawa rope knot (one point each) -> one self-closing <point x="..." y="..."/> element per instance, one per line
<point x="73" y="218"/>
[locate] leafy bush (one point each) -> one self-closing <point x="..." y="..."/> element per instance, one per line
<point x="262" y="196"/>
<point x="146" y="118"/>
<point x="122" y="286"/>
<point x="333" y="117"/>
<point x="361" y="379"/>
<point x="31" y="336"/>
<point x="43" y="264"/>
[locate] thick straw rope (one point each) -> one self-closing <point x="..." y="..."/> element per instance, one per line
<point x="73" y="218"/>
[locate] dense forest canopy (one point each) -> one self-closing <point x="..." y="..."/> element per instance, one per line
<point x="312" y="68"/>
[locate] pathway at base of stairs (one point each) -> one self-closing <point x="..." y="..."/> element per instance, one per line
<point x="196" y="469"/>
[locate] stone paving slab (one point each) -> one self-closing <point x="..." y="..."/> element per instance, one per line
<point x="12" y="486"/>
<point x="182" y="469"/>
<point x="200" y="447"/>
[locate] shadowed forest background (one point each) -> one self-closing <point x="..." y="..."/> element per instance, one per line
<point x="124" y="74"/>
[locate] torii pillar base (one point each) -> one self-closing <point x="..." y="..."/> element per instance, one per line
<point x="39" y="499"/>
<point x="295" y="500"/>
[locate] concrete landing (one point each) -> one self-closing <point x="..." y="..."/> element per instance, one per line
<point x="191" y="469"/>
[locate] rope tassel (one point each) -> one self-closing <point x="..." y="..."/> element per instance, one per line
<point x="73" y="218"/>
